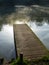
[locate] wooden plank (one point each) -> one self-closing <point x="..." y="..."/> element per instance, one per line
<point x="28" y="43"/>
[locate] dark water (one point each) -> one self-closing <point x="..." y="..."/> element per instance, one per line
<point x="37" y="20"/>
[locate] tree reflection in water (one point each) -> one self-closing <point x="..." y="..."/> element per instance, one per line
<point x="8" y="15"/>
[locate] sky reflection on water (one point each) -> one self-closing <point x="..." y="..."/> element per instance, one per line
<point x="38" y="21"/>
<point x="7" y="49"/>
<point x="42" y="32"/>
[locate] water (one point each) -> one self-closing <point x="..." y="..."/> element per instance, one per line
<point x="42" y="32"/>
<point x="7" y="49"/>
<point x="37" y="20"/>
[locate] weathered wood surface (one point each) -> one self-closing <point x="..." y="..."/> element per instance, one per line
<point x="28" y="43"/>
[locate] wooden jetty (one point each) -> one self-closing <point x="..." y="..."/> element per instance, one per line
<point x="28" y="43"/>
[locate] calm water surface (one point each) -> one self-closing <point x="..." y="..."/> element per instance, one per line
<point x="7" y="49"/>
<point x="42" y="32"/>
<point x="37" y="20"/>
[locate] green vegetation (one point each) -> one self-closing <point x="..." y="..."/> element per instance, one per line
<point x="43" y="61"/>
<point x="18" y="62"/>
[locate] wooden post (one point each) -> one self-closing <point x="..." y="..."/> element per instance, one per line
<point x="21" y="57"/>
<point x="1" y="61"/>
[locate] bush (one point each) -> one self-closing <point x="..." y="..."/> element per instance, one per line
<point x="19" y="62"/>
<point x="43" y="61"/>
